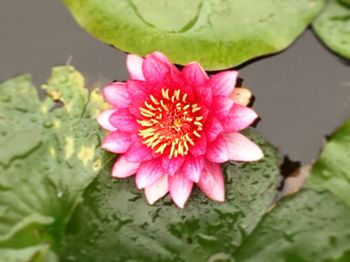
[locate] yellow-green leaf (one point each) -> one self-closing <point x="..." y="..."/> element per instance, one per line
<point x="217" y="33"/>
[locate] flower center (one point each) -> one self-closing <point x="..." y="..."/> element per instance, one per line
<point x="170" y="124"/>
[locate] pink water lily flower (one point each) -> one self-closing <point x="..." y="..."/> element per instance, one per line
<point x="173" y="128"/>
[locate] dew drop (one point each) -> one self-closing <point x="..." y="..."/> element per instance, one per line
<point x="59" y="194"/>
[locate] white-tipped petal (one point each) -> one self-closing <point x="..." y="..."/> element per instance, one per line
<point x="123" y="168"/>
<point x="156" y="191"/>
<point x="149" y="173"/>
<point x="134" y="65"/>
<point x="241" y="148"/>
<point x="211" y="182"/>
<point x="117" y="142"/>
<point x="117" y="95"/>
<point x="180" y="189"/>
<point x="103" y="120"/>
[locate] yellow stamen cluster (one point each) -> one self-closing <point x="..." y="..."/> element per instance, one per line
<point x="170" y="124"/>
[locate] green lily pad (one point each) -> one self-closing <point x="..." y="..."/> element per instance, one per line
<point x="49" y="155"/>
<point x="332" y="170"/>
<point x="219" y="34"/>
<point x="314" y="224"/>
<point x="115" y="223"/>
<point x="310" y="226"/>
<point x="333" y="27"/>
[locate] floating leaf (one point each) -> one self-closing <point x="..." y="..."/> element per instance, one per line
<point x="309" y="226"/>
<point x="115" y="223"/>
<point x="217" y="33"/>
<point x="49" y="155"/>
<point x="333" y="27"/>
<point x="314" y="224"/>
<point x="332" y="170"/>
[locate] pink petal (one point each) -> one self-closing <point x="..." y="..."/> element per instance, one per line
<point x="123" y="168"/>
<point x="157" y="190"/>
<point x="200" y="146"/>
<point x="240" y="117"/>
<point x="138" y="90"/>
<point x="124" y="121"/>
<point x="175" y="82"/>
<point x="149" y="173"/>
<point x="172" y="165"/>
<point x="194" y="74"/>
<point x="241" y="148"/>
<point x="134" y="65"/>
<point x="223" y="83"/>
<point x="222" y="106"/>
<point x="217" y="150"/>
<point x="138" y="152"/>
<point x="180" y="189"/>
<point x="212" y="183"/>
<point x="161" y="57"/>
<point x="156" y="67"/>
<point x="192" y="168"/>
<point x="213" y="128"/>
<point x="205" y="112"/>
<point x="117" y="95"/>
<point x="206" y="96"/>
<point x="103" y="120"/>
<point x="117" y="142"/>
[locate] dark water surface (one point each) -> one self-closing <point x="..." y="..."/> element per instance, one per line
<point x="302" y="94"/>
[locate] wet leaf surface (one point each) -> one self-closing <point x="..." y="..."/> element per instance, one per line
<point x="115" y="223"/>
<point x="332" y="170"/>
<point x="217" y="33"/>
<point x="309" y="226"/>
<point x="333" y="27"/>
<point x="48" y="156"/>
<point x="312" y="225"/>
